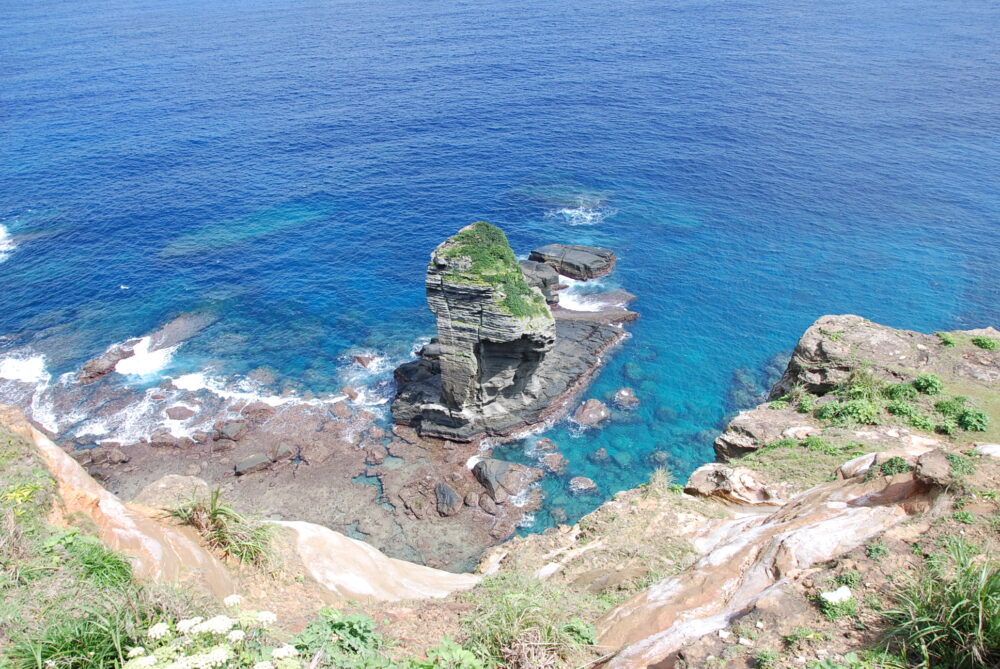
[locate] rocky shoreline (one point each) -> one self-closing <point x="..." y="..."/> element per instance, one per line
<point x="331" y="461"/>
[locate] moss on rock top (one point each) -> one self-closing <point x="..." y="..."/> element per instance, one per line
<point x="491" y="262"/>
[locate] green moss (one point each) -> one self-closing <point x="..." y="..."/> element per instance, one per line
<point x="492" y="263"/>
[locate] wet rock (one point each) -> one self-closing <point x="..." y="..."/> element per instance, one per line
<point x="554" y="463"/>
<point x="559" y="515"/>
<point x="658" y="458"/>
<point x="351" y="393"/>
<point x="281" y="451"/>
<point x="591" y="413"/>
<point x="364" y="360"/>
<point x="600" y="456"/>
<point x="733" y="484"/>
<point x="546" y="444"/>
<point x="341" y="411"/>
<point x="258" y="412"/>
<point x="543" y="277"/>
<point x="665" y="414"/>
<point x="448" y="501"/>
<point x="492" y="474"/>
<point x="179" y="413"/>
<point x="254" y="463"/>
<point x="98" y="368"/>
<point x="162" y="438"/>
<point x="575" y="261"/>
<point x="233" y="430"/>
<point x="581" y="485"/>
<point x="626" y="399"/>
<point x="117" y="456"/>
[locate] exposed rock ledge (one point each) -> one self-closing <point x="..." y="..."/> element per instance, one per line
<point x="163" y="552"/>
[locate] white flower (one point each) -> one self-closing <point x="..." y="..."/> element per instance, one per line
<point x="263" y="665"/>
<point x="283" y="652"/>
<point x="266" y="618"/>
<point x="184" y="626"/>
<point x="147" y="661"/>
<point x="232" y="600"/>
<point x="236" y="636"/>
<point x="216" y="625"/>
<point x="136" y="652"/>
<point x="158" y="631"/>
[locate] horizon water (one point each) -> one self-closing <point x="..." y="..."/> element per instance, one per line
<point x="289" y="168"/>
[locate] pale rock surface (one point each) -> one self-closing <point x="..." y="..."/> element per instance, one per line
<point x="732" y="484"/>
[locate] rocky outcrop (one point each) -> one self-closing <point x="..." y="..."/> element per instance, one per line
<point x="592" y="413"/>
<point x="163" y="552"/>
<point x="501" y="363"/>
<point x="751" y="557"/>
<point x="543" y="277"/>
<point x="752" y="430"/>
<point x="732" y="484"/>
<point x="575" y="261"/>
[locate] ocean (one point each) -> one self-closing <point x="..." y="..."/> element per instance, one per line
<point x="288" y="167"/>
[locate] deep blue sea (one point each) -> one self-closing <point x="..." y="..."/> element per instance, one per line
<point x="290" y="166"/>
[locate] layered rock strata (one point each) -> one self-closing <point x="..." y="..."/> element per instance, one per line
<point x="501" y="362"/>
<point x="576" y="261"/>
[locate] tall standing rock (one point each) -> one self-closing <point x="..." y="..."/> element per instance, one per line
<point x="493" y="332"/>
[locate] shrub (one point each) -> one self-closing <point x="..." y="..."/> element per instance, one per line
<point x="96" y="638"/>
<point x="920" y="421"/>
<point x="895" y="465"/>
<point x="948" y="615"/>
<point x="806" y="404"/>
<point x="849" y="577"/>
<point x="766" y="658"/>
<point x="952" y="407"/>
<point x="521" y="623"/>
<point x="225" y="530"/>
<point x="986" y="343"/>
<point x="947" y="426"/>
<point x="900" y="391"/>
<point x="860" y="411"/>
<point x="961" y="465"/>
<point x="828" y="411"/>
<point x="973" y="420"/>
<point x="876" y="550"/>
<point x="928" y="384"/>
<point x="778" y="404"/>
<point x="861" y="384"/>
<point x="946" y="339"/>
<point x="343" y="640"/>
<point x="660" y="482"/>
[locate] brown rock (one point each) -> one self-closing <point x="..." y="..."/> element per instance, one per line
<point x="625" y="398"/>
<point x="258" y="412"/>
<point x="472" y="499"/>
<point x="934" y="469"/>
<point x="582" y="485"/>
<point x="341" y="411"/>
<point x="733" y="484"/>
<point x="546" y="444"/>
<point x="179" y="413"/>
<point x="554" y="463"/>
<point x="162" y="439"/>
<point x="117" y="456"/>
<point x="488" y="505"/>
<point x="364" y="360"/>
<point x="351" y="393"/>
<point x="592" y="413"/>
<point x="251" y="464"/>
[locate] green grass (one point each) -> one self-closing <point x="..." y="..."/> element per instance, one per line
<point x="803" y="463"/>
<point x="948" y="614"/>
<point x="986" y="343"/>
<point x="224" y="529"/>
<point x="876" y="551"/>
<point x="946" y="339"/>
<point x="522" y="623"/>
<point x="492" y="263"/>
<point x="849" y="577"/>
<point x="835" y="611"/>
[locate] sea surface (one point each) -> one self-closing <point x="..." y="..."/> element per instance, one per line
<point x="289" y="166"/>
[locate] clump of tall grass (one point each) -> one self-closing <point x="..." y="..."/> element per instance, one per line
<point x="224" y="529"/>
<point x="948" y="614"/>
<point x="523" y="623"/>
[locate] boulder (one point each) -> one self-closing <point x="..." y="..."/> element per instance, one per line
<point x="233" y="430"/>
<point x="546" y="444"/>
<point x="448" y="501"/>
<point x="576" y="261"/>
<point x="364" y="360"/>
<point x="754" y="429"/>
<point x="733" y="484"/>
<point x="171" y="490"/>
<point x="253" y="463"/>
<point x="501" y="478"/>
<point x="488" y="505"/>
<point x="161" y="438"/>
<point x="580" y="485"/>
<point x="543" y="277"/>
<point x="179" y="413"/>
<point x="625" y="398"/>
<point x="100" y="367"/>
<point x="600" y="456"/>
<point x="554" y="463"/>
<point x="592" y="413"/>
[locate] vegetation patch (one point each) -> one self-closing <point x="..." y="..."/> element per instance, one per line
<point x="223" y="529"/>
<point x="491" y="262"/>
<point x="987" y="343"/>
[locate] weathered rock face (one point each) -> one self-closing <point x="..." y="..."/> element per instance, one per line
<point x="501" y="363"/>
<point x="575" y="261"/>
<point x="493" y="332"/>
<point x="543" y="277"/>
<point x="732" y="484"/>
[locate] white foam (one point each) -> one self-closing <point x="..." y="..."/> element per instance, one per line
<point x="144" y="362"/>
<point x="575" y="302"/>
<point x="25" y="369"/>
<point x="7" y="244"/>
<point x="583" y="214"/>
<point x="244" y="389"/>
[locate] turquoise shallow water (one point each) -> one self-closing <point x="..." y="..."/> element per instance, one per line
<point x="290" y="167"/>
